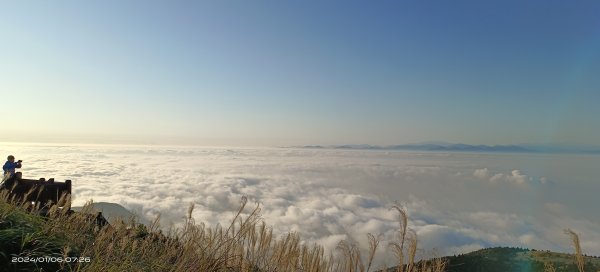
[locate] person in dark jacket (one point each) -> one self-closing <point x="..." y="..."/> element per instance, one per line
<point x="10" y="165"/>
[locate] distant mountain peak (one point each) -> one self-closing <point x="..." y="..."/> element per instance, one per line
<point x="459" y="147"/>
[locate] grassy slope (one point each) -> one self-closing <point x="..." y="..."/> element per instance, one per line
<point x="22" y="234"/>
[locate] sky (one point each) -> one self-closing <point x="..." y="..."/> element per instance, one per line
<point x="275" y="73"/>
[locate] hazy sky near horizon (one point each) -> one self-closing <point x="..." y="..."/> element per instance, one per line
<point x="300" y="72"/>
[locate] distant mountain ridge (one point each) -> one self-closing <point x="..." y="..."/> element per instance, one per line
<point x="450" y="147"/>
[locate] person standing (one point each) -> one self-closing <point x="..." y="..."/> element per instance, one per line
<point x="10" y="165"/>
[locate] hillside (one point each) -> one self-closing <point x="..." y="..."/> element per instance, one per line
<point x="504" y="259"/>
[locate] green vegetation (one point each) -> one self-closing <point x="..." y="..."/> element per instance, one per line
<point x="21" y="234"/>
<point x="518" y="259"/>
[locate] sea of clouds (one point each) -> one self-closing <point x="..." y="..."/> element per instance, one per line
<point x="457" y="202"/>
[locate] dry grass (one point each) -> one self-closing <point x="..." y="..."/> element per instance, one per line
<point x="404" y="249"/>
<point x="578" y="255"/>
<point x="406" y="245"/>
<point x="246" y="244"/>
<point x="549" y="267"/>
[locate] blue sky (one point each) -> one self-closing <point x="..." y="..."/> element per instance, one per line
<point x="300" y="72"/>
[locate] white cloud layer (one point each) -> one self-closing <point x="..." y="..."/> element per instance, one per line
<point x="330" y="195"/>
<point x="514" y="177"/>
